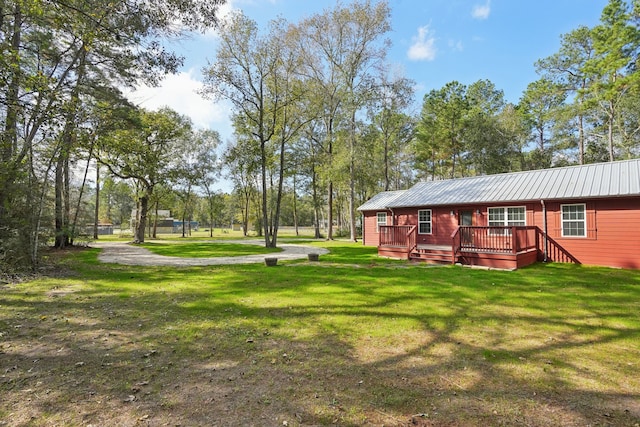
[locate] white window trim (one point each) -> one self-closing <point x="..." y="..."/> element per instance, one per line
<point x="505" y="210"/>
<point x="584" y="220"/>
<point x="430" y="222"/>
<point x="378" y="223"/>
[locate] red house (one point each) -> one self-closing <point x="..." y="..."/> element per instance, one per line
<point x="587" y="214"/>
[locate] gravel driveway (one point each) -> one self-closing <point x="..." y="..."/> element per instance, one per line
<point x="125" y="253"/>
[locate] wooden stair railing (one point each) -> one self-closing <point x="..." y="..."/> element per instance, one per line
<point x="456" y="243"/>
<point x="412" y="239"/>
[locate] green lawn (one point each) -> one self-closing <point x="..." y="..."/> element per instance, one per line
<point x="352" y="340"/>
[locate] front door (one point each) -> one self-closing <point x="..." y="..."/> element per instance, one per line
<point x="466" y="218"/>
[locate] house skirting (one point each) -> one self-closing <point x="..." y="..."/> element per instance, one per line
<point x="507" y="261"/>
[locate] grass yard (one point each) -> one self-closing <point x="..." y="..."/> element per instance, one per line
<point x="352" y="340"/>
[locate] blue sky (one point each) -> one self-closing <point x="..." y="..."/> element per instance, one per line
<point x="433" y="42"/>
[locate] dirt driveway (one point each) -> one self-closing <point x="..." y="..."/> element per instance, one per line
<point x="125" y="253"/>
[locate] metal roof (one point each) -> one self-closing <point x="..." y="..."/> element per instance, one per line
<point x="380" y="201"/>
<point x="613" y="179"/>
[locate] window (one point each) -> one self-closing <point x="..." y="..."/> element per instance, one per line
<point x="515" y="217"/>
<point x="496" y="217"/>
<point x="381" y="220"/>
<point x="507" y="217"/>
<point x="574" y="220"/>
<point x="424" y="221"/>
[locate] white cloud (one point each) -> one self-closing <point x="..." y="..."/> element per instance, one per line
<point x="179" y="92"/>
<point x="423" y="47"/>
<point x="481" y="11"/>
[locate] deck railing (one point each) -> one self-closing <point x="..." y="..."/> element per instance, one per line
<point x="398" y="236"/>
<point x="493" y="239"/>
<point x="481" y="239"/>
<point x="553" y="251"/>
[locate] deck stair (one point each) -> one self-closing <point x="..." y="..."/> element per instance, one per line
<point x="439" y="254"/>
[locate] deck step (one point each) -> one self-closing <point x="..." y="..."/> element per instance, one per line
<point x="438" y="256"/>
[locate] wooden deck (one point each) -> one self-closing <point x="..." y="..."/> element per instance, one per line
<point x="494" y="247"/>
<point x="443" y="254"/>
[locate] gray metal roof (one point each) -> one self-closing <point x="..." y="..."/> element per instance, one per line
<point x="613" y="179"/>
<point x="381" y="200"/>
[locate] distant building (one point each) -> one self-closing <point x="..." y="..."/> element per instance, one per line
<point x="104" y="229"/>
<point x="165" y="224"/>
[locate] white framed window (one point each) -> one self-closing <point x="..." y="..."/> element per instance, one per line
<point x="507" y="216"/>
<point x="496" y="217"/>
<point x="381" y="219"/>
<point x="574" y="220"/>
<point x="516" y="217"/>
<point x="424" y="221"/>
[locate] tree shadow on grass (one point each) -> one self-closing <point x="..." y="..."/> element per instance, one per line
<point x="208" y="346"/>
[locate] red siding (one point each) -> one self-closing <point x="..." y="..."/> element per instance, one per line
<point x="370" y="236"/>
<point x="613" y="228"/>
<point x="613" y="233"/>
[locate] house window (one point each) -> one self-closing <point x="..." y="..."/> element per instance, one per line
<point x="574" y="220"/>
<point x="381" y="220"/>
<point x="507" y="217"/>
<point x="496" y="217"/>
<point x="516" y="217"/>
<point x="424" y="221"/>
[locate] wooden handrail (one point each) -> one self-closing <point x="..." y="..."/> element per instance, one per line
<point x="555" y="251"/>
<point x="412" y="238"/>
<point x="456" y="243"/>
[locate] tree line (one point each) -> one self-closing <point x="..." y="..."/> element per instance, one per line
<point x="322" y="121"/>
<point x="63" y="64"/>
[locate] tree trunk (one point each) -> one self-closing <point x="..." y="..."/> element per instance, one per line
<point x="295" y="207"/>
<point x="581" y="144"/>
<point x="142" y="219"/>
<point x="265" y="207"/>
<point x="352" y="180"/>
<point x="387" y="180"/>
<point x="581" y="139"/>
<point x="316" y="204"/>
<point x="211" y="217"/>
<point x="276" y="219"/>
<point x="330" y="211"/>
<point x="330" y="187"/>
<point x="245" y="216"/>
<point x="156" y="206"/>
<point x="611" y="114"/>
<point x="60" y="238"/>
<point x="96" y="216"/>
<point x="10" y="134"/>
